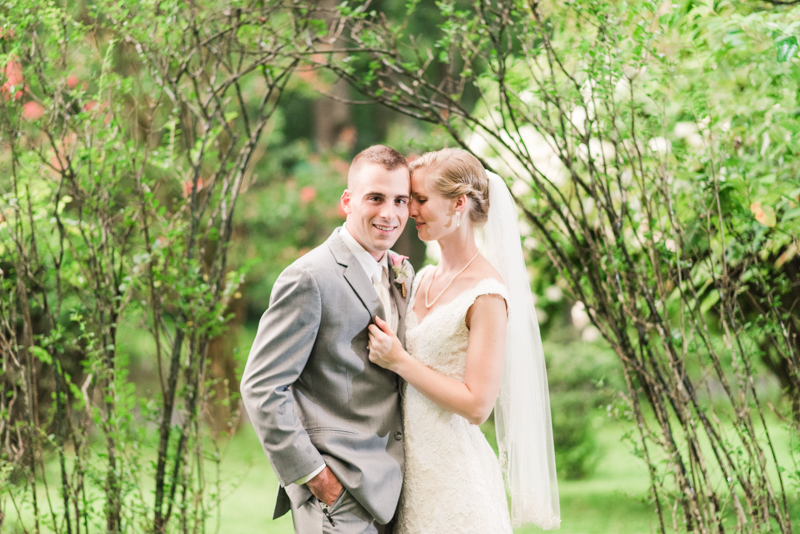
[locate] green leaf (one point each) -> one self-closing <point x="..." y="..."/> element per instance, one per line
<point x="791" y="214"/>
<point x="709" y="301"/>
<point x="786" y="48"/>
<point x="42" y="354"/>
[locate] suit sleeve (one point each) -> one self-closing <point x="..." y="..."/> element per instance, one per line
<point x="286" y="334"/>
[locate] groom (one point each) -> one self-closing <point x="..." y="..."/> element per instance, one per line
<point x="328" y="419"/>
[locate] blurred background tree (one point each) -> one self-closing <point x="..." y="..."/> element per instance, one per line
<point x="128" y="133"/>
<point x="161" y="163"/>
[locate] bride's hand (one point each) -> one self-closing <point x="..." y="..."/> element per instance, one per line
<point x="384" y="347"/>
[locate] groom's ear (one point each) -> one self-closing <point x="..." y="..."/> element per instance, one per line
<point x="346" y="201"/>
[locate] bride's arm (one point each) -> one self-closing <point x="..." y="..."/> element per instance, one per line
<point x="474" y="398"/>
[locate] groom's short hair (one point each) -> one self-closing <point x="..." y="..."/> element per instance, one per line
<point x="387" y="157"/>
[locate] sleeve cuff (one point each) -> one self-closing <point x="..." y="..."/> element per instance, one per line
<point x="311" y="475"/>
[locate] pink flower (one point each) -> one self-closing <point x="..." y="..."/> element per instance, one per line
<point x="398" y="259"/>
<point x="13" y="74"/>
<point x="72" y="81"/>
<point x="189" y="184"/>
<point x="32" y="111"/>
<point x="307" y="194"/>
<point x="402" y="272"/>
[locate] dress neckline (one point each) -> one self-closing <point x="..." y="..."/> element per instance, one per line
<point x="417" y="321"/>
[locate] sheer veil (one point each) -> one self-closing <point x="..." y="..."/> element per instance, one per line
<point x="522" y="410"/>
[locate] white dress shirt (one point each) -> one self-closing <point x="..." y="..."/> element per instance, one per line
<point x="373" y="270"/>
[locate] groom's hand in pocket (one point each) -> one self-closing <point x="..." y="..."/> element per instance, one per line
<point x="325" y="486"/>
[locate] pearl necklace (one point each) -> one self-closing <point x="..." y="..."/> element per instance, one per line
<point x="448" y="283"/>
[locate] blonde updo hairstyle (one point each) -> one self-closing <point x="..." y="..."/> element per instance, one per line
<point x="456" y="172"/>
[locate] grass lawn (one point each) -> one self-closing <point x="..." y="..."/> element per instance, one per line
<point x="612" y="500"/>
<point x="608" y="502"/>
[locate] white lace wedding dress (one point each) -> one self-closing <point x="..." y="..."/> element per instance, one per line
<point x="453" y="482"/>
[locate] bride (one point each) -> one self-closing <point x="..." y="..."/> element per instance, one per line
<point x="472" y="345"/>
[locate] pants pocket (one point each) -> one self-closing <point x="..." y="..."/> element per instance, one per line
<point x="338" y="502"/>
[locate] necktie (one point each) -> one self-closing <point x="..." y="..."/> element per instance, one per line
<point x="381" y="284"/>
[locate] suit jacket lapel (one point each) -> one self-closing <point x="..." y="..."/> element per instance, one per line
<point x="356" y="276"/>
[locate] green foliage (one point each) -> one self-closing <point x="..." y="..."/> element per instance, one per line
<point x="652" y="150"/>
<point x="127" y="132"/>
<point x="579" y="375"/>
<point x="284" y="217"/>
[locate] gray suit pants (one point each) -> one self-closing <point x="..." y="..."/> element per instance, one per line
<point x="345" y="516"/>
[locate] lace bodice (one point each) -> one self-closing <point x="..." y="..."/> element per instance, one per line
<point x="452" y="477"/>
<point x="440" y="339"/>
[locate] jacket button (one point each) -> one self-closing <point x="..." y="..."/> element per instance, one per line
<point x="398" y="435"/>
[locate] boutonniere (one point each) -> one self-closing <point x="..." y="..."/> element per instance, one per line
<point x="402" y="271"/>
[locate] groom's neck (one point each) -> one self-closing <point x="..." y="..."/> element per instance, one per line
<point x="377" y="255"/>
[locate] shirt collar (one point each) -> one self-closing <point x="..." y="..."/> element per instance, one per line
<point x="364" y="258"/>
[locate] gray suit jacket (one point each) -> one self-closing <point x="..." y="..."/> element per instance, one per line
<point x="310" y="390"/>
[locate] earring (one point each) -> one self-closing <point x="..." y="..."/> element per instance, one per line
<point x="458" y="219"/>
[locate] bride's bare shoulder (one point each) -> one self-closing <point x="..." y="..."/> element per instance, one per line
<point x="489" y="304"/>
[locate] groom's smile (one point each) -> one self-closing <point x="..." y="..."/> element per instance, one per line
<point x="385" y="229"/>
